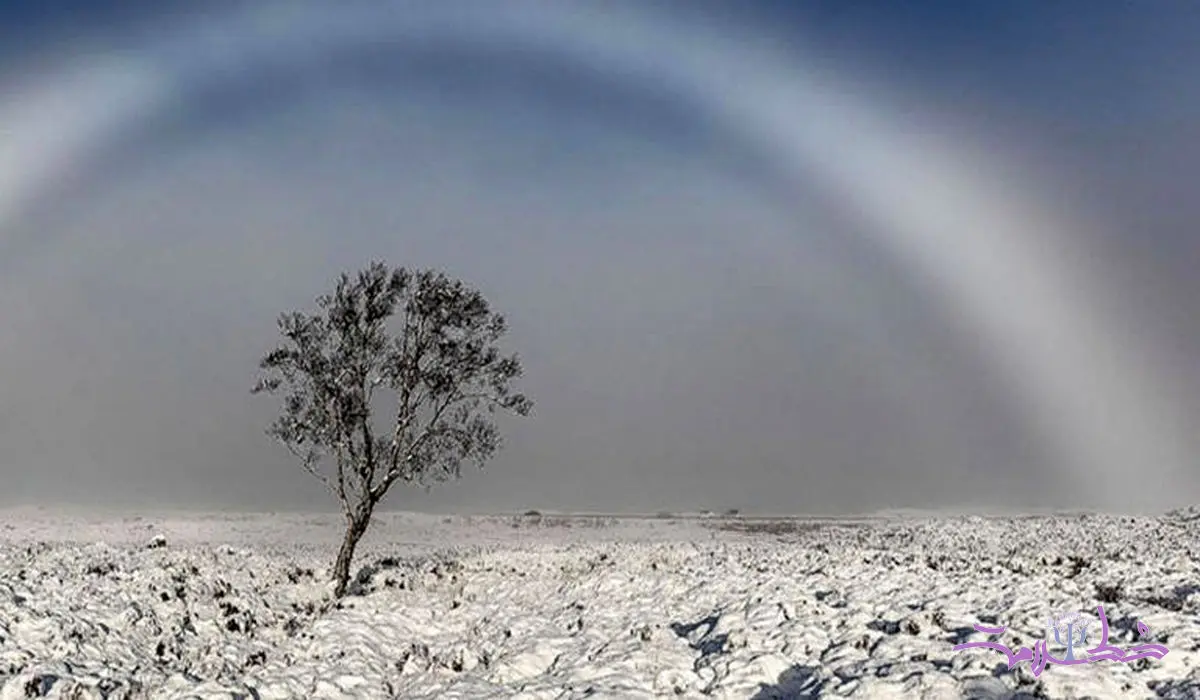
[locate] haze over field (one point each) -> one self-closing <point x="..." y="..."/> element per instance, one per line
<point x="803" y="257"/>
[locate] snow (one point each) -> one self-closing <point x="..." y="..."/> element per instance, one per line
<point x="218" y="605"/>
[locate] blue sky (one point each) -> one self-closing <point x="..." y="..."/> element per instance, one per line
<point x="821" y="257"/>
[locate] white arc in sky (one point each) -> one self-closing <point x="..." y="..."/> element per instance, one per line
<point x="993" y="255"/>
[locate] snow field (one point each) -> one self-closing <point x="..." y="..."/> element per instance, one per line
<point x="510" y="608"/>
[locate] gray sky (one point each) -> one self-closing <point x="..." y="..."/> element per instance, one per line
<point x="783" y="260"/>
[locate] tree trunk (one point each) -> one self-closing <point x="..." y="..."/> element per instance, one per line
<point x="356" y="525"/>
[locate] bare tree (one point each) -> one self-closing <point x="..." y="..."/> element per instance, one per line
<point x="440" y="367"/>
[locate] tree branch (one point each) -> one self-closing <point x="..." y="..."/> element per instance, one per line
<point x="394" y="472"/>
<point x="306" y="461"/>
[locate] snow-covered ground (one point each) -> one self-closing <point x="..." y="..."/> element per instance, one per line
<point x="505" y="607"/>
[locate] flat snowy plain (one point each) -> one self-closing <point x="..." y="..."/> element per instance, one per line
<point x="96" y="605"/>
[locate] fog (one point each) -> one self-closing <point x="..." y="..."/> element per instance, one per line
<point x="707" y="319"/>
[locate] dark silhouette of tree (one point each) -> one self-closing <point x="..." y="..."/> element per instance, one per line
<point x="440" y="367"/>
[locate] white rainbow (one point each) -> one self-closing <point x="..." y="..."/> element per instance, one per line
<point x="993" y="256"/>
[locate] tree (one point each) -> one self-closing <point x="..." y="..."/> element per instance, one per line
<point x="441" y="370"/>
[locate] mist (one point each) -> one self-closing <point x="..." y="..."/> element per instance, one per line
<point x="702" y="324"/>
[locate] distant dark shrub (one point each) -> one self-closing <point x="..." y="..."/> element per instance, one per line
<point x="1166" y="602"/>
<point x="767" y="527"/>
<point x="1109" y="593"/>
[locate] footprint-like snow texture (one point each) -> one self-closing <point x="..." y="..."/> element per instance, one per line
<point x="494" y="607"/>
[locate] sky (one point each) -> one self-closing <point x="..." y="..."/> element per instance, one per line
<point x="821" y="257"/>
